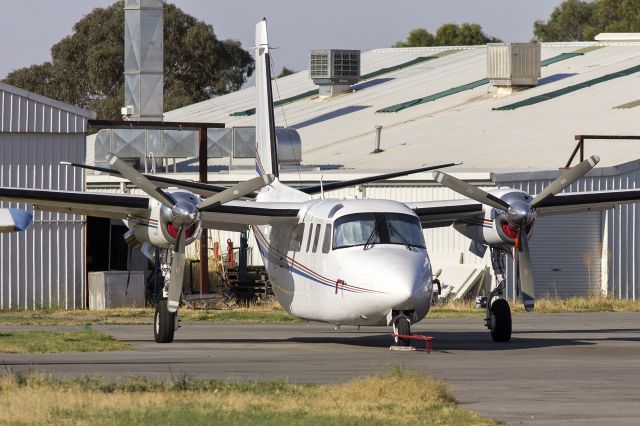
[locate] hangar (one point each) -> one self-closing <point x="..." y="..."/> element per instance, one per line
<point x="409" y="107"/>
<point x="436" y="105"/>
<point x="44" y="265"/>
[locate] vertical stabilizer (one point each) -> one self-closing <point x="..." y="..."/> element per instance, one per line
<point x="266" y="149"/>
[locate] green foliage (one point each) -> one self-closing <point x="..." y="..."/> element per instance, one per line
<point x="285" y="72"/>
<point x="87" y="67"/>
<point x="448" y="35"/>
<point x="583" y="20"/>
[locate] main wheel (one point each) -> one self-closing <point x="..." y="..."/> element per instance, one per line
<point x="164" y="323"/>
<point x="501" y="321"/>
<point x="404" y="328"/>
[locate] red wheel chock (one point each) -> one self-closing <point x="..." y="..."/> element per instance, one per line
<point x="427" y="339"/>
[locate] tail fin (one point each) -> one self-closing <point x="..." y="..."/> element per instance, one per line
<point x="266" y="148"/>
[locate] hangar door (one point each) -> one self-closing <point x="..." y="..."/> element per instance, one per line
<point x="566" y="253"/>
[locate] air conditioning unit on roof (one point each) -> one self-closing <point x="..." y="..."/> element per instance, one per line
<point x="334" y="70"/>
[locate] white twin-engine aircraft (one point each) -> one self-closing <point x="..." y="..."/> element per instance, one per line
<point x="346" y="262"/>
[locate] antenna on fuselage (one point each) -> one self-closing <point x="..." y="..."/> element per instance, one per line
<point x="321" y="188"/>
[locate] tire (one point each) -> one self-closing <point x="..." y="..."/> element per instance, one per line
<point x="404" y="328"/>
<point x="501" y="331"/>
<point x="164" y="323"/>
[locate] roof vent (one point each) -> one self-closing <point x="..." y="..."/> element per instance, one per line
<point x="512" y="66"/>
<point x="334" y="70"/>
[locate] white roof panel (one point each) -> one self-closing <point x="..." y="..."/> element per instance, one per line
<point x="460" y="127"/>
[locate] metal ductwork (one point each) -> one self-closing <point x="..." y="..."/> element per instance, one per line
<point x="143" y="60"/>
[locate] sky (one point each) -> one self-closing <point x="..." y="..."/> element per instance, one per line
<point x="30" y="27"/>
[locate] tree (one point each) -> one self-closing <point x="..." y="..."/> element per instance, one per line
<point x="448" y="35"/>
<point x="417" y="38"/>
<point x="583" y="20"/>
<point x="86" y="68"/>
<point x="285" y="72"/>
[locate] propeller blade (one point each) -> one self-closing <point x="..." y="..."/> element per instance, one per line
<point x="177" y="273"/>
<point x="140" y="181"/>
<point x="470" y="191"/>
<point x="236" y="191"/>
<point x="525" y="271"/>
<point x="566" y="179"/>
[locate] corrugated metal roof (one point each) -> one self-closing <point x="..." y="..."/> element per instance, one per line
<point x="459" y="127"/>
<point x="24" y="111"/>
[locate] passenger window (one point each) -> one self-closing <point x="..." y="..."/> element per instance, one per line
<point x="309" y="236"/>
<point x="326" y="244"/>
<point x="316" y="237"/>
<point x="296" y="238"/>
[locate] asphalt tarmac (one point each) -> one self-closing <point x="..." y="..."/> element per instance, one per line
<point x="558" y="368"/>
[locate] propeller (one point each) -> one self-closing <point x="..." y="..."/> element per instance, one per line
<point x="183" y="215"/>
<point x="519" y="215"/>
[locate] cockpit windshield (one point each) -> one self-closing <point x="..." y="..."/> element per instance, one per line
<point x="377" y="228"/>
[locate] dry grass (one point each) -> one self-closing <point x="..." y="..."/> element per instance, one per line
<point x="397" y="396"/>
<point x="271" y="312"/>
<point x="47" y="341"/>
<point x="545" y="305"/>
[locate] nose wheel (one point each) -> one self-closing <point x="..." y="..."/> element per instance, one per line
<point x="164" y="323"/>
<point x="402" y="327"/>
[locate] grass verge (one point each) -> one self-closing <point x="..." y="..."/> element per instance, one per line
<point x="398" y="395"/>
<point x="47" y="341"/>
<point x="466" y="308"/>
<point x="271" y="312"/>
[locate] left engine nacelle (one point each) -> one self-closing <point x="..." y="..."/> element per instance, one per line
<point x="494" y="229"/>
<point x="158" y="229"/>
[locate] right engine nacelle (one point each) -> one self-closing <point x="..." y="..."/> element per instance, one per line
<point x="493" y="228"/>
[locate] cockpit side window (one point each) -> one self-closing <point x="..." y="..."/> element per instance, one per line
<point x="316" y="238"/>
<point x="326" y="243"/>
<point x="295" y="244"/>
<point x="309" y="232"/>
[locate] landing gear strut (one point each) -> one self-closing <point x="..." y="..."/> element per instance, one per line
<point x="165" y="323"/>
<point x="498" y="313"/>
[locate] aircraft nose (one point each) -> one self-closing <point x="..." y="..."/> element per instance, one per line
<point x="407" y="286"/>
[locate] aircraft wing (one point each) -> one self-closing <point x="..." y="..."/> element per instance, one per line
<point x="84" y="203"/>
<point x="235" y="215"/>
<point x="576" y="202"/>
<point x="435" y="214"/>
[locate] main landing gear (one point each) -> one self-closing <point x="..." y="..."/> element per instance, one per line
<point x="165" y="323"/>
<point x="498" y="313"/>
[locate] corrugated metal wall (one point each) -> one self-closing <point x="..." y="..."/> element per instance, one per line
<point x="45" y="265"/>
<point x="22" y="111"/>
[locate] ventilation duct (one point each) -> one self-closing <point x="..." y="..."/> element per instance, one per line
<point x="143" y="59"/>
